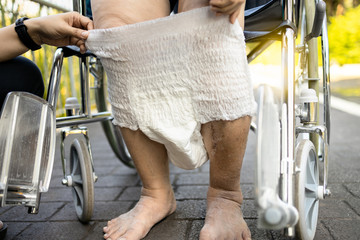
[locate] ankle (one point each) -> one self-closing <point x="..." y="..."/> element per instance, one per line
<point x="231" y="195"/>
<point x="150" y="191"/>
<point x="159" y="194"/>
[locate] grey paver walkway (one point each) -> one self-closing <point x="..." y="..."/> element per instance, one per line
<point x="118" y="189"/>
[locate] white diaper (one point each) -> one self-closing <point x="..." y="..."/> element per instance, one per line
<point x="170" y="75"/>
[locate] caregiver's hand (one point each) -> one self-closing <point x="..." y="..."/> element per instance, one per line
<point x="227" y="7"/>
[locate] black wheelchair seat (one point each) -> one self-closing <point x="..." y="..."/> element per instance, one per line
<point x="264" y="19"/>
<point x="262" y="15"/>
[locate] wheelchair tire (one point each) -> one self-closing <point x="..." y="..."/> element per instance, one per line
<point x="267" y="164"/>
<point x="81" y="173"/>
<point x="268" y="139"/>
<point x="306" y="189"/>
<point x="112" y="133"/>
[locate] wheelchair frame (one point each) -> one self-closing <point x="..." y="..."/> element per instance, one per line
<point x="286" y="190"/>
<point x="276" y="200"/>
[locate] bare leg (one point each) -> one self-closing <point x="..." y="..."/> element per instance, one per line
<point x="157" y="198"/>
<point x="225" y="142"/>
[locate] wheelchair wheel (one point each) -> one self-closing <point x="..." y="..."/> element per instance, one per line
<point x="82" y="180"/>
<point x="306" y="189"/>
<point x="267" y="139"/>
<point x="112" y="133"/>
<point x="272" y="211"/>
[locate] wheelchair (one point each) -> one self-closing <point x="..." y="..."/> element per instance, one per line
<point x="292" y="142"/>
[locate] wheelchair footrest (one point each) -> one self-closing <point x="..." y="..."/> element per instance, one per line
<point x="27" y="148"/>
<point x="274" y="213"/>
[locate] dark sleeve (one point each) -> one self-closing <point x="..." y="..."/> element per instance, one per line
<point x="20" y="74"/>
<point x="88" y="9"/>
<point x="172" y="4"/>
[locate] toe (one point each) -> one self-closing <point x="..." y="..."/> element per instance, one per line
<point x="111" y="222"/>
<point x="246" y="235"/>
<point x="133" y="233"/>
<point x="117" y="233"/>
<point x="107" y="236"/>
<point x="205" y="233"/>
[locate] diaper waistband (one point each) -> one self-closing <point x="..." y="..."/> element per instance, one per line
<point x="171" y="25"/>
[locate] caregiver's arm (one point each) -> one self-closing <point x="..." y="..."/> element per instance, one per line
<point x="56" y="30"/>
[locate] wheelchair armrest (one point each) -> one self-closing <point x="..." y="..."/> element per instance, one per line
<point x="75" y="51"/>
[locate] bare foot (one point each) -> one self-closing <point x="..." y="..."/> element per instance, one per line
<point x="153" y="206"/>
<point x="224" y="219"/>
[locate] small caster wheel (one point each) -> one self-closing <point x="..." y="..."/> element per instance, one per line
<point x="81" y="173"/>
<point x="307" y="190"/>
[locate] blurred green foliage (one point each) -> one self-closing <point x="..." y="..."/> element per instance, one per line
<point x="344" y="37"/>
<point x="10" y="10"/>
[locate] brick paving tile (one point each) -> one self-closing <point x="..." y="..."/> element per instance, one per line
<point x="169" y="229"/>
<point x="19" y="214"/>
<point x="55" y="230"/>
<point x="341" y="229"/>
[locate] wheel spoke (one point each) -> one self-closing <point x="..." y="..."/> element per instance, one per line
<point x="79" y="194"/>
<point x="311" y="188"/>
<point x="308" y="207"/>
<point x="310" y="172"/>
<point x="75" y="165"/>
<point x="311" y="212"/>
<point x="77" y="180"/>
